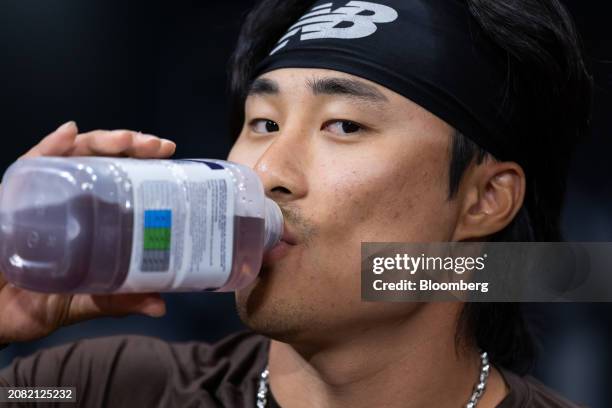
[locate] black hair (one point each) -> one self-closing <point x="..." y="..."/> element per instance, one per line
<point x="548" y="97"/>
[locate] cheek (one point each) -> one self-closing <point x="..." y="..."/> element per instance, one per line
<point x="245" y="153"/>
<point x="401" y="202"/>
<point x="397" y="200"/>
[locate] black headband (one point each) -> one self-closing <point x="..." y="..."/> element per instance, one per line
<point x="428" y="51"/>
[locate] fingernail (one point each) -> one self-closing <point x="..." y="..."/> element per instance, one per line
<point x="146" y="137"/>
<point x="154" y="309"/>
<point x="66" y="125"/>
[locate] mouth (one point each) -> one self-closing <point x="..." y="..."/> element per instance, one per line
<point x="282" y="248"/>
<point x="288" y="236"/>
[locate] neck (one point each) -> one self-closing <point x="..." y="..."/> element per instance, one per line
<point x="414" y="363"/>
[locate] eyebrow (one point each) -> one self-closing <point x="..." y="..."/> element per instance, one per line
<point x="263" y="86"/>
<point x="347" y="87"/>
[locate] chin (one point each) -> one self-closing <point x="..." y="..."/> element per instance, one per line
<point x="267" y="314"/>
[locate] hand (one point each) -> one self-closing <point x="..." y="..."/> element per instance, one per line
<point x="26" y="315"/>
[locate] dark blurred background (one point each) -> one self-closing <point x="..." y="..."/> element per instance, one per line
<point x="160" y="68"/>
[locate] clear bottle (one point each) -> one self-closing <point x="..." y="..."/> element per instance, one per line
<point x="102" y="225"/>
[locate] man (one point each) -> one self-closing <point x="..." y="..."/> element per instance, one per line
<point x="367" y="121"/>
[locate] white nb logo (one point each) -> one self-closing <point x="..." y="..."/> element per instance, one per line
<point x="355" y="20"/>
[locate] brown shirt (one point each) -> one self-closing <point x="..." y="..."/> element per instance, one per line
<point x="137" y="371"/>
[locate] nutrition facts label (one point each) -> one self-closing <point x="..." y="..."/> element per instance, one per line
<point x="183" y="221"/>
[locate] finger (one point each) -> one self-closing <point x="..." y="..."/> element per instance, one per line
<point x="144" y="146"/>
<point x="167" y="149"/>
<point x="103" y="143"/>
<point x="85" y="307"/>
<point x="57" y="143"/>
<point x="149" y="146"/>
<point x="121" y="143"/>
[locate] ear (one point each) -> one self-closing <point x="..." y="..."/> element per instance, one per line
<point x="493" y="192"/>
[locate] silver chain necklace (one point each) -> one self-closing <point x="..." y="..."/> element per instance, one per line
<point x="479" y="388"/>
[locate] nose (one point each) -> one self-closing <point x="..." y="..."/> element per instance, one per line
<point x="282" y="169"/>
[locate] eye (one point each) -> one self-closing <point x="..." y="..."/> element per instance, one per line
<point x="263" y="126"/>
<point x="343" y="127"/>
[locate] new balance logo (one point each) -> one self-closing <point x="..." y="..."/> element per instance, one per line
<point x="357" y="19"/>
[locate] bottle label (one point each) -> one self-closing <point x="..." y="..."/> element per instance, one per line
<point x="183" y="225"/>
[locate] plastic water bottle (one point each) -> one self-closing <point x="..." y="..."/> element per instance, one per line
<point x="101" y="225"/>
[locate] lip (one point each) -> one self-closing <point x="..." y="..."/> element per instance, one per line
<point x="277" y="252"/>
<point x="288" y="236"/>
<point x="281" y="249"/>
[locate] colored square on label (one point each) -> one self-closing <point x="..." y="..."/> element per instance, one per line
<point x="158" y="218"/>
<point x="157" y="238"/>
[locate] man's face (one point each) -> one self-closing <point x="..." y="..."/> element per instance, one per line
<point x="348" y="161"/>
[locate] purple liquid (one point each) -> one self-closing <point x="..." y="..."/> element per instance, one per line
<point x="248" y="251"/>
<point x="82" y="245"/>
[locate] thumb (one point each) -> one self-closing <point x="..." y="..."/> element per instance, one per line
<point x="56" y="143"/>
<point x="85" y="307"/>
